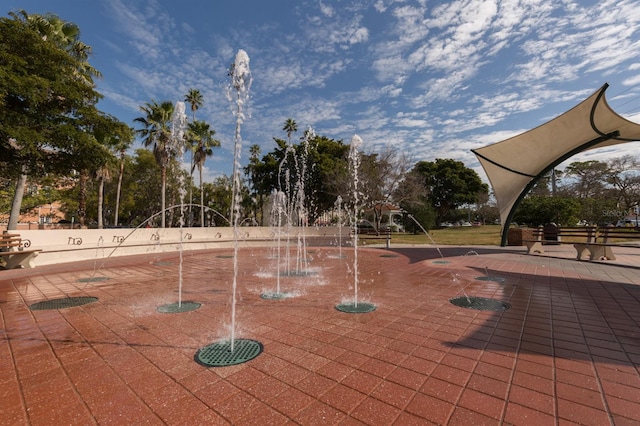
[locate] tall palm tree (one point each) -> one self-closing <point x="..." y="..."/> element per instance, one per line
<point x="203" y="141"/>
<point x="290" y="126"/>
<point x="120" y="144"/>
<point x="195" y="101"/>
<point x="156" y="132"/>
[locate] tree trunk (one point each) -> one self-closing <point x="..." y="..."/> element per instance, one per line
<point x="163" y="196"/>
<point x="82" y="200"/>
<point x="191" y="192"/>
<point x="201" y="199"/>
<point x="100" y="201"/>
<point x="115" y="219"/>
<point x="17" y="202"/>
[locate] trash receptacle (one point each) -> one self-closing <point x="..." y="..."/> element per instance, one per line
<point x="550" y="232"/>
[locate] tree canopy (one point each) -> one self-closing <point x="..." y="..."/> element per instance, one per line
<point x="46" y="113"/>
<point x="449" y="184"/>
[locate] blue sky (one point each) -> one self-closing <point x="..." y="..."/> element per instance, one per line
<point x="432" y="79"/>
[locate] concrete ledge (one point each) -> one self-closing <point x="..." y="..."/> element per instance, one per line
<point x="70" y="245"/>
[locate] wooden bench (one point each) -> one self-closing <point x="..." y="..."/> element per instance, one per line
<point x="608" y="237"/>
<point x="13" y="253"/>
<point x="580" y="237"/>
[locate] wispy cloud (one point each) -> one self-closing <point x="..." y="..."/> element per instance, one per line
<point x="435" y="79"/>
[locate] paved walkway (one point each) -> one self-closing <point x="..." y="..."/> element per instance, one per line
<point x="566" y="352"/>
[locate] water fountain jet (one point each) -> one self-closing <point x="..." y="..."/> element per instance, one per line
<point x="231" y="352"/>
<point x="354" y="167"/>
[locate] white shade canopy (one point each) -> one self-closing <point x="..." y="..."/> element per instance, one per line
<point x="514" y="165"/>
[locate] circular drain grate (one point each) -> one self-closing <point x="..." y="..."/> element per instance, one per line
<point x="441" y="262"/>
<point x="162" y="263"/>
<point x="219" y="354"/>
<point x="225" y="256"/>
<point x="353" y="308"/>
<point x="480" y="303"/>
<point x="67" y="302"/>
<point x="173" y="308"/>
<point x="490" y="278"/>
<point x="93" y="279"/>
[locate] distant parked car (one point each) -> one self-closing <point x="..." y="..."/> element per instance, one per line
<point x="446" y="224"/>
<point x="465" y="223"/>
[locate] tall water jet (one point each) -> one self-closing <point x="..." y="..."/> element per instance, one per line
<point x="278" y="206"/>
<point x="354" y="168"/>
<point x="178" y="128"/>
<point x="292" y="177"/>
<point x="224" y="353"/>
<point x="302" y="211"/>
<point x="241" y="83"/>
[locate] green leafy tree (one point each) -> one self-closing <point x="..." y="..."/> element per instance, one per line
<point x="141" y="199"/>
<point x="325" y="172"/>
<point x="411" y="196"/>
<point x="253" y="170"/>
<point x="589" y="178"/>
<point x="114" y="136"/>
<point x="47" y="107"/>
<point x="449" y="184"/>
<point x="66" y="36"/>
<point x="624" y="176"/>
<point x="540" y="210"/>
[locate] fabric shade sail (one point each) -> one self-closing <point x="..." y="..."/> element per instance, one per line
<point x="514" y="165"/>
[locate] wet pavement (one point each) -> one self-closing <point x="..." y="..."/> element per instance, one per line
<point x="567" y="350"/>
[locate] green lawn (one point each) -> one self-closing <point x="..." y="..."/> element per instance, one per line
<point x="462" y="236"/>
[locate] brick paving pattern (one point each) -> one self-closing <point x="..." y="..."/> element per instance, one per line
<point x="566" y="352"/>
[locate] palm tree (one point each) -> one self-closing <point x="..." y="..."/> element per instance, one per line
<point x="120" y="144"/>
<point x="156" y="131"/>
<point x="194" y="98"/>
<point x="290" y="126"/>
<point x="203" y="141"/>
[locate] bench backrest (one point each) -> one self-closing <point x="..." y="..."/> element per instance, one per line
<point x="608" y="233"/>
<point x="9" y="241"/>
<point x="588" y="233"/>
<point x="584" y="233"/>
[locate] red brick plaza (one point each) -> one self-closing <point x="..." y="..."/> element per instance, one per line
<point x="566" y="352"/>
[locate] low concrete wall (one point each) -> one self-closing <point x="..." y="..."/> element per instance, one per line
<point x="70" y="245"/>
